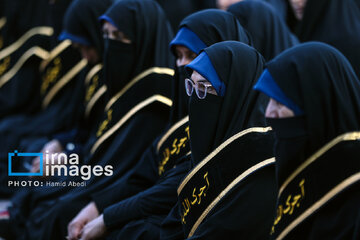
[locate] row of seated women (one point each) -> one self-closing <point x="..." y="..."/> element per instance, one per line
<point x="229" y="129"/>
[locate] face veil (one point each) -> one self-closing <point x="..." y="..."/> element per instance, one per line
<point x="321" y="81"/>
<point x="119" y="61"/>
<point x="215" y="119"/>
<point x="222" y="27"/>
<point x="144" y="23"/>
<point x="81" y="24"/>
<point x="317" y="152"/>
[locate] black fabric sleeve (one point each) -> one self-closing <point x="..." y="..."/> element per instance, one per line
<point x="143" y="176"/>
<point x="71" y="141"/>
<point x="171" y="227"/>
<point x="66" y="137"/>
<point x="203" y="4"/>
<point x="156" y="200"/>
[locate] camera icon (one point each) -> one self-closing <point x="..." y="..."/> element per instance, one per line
<point x="16" y="154"/>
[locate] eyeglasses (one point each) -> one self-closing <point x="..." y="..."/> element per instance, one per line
<point x="201" y="88"/>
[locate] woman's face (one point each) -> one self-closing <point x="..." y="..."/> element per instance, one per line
<point x="184" y="55"/>
<point x="88" y="52"/>
<point x="201" y="83"/>
<point x="277" y="110"/>
<point x="298" y="7"/>
<point x="225" y="4"/>
<point x="111" y="32"/>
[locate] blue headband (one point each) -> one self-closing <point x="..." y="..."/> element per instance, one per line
<point x="203" y="65"/>
<point x="186" y="37"/>
<point x="108" y="19"/>
<point x="77" y="39"/>
<point x="268" y="86"/>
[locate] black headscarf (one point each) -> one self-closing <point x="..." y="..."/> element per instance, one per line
<point x="269" y="32"/>
<point x="280" y="6"/>
<point x="336" y="22"/>
<point x="2" y="5"/>
<point x="23" y="15"/>
<point x="81" y="23"/>
<point x="321" y="81"/>
<point x="145" y="24"/>
<point x="211" y="26"/>
<point x="57" y="11"/>
<point x="176" y="11"/>
<point x="215" y="119"/>
<point x="224" y="24"/>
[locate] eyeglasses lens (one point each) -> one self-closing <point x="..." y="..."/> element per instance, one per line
<point x="189" y="87"/>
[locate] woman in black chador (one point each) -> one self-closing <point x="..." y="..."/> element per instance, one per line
<point x="138" y="77"/>
<point x="81" y="33"/>
<point x="195" y="33"/>
<point x="59" y="92"/>
<point x="26" y="33"/>
<point x="268" y="31"/>
<point x="335" y="22"/>
<point x="231" y="189"/>
<point x="315" y="112"/>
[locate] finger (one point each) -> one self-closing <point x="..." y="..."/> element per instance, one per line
<point x="71" y="229"/>
<point x="83" y="235"/>
<point x="35" y="169"/>
<point x="78" y="234"/>
<point x="36" y="161"/>
<point x="75" y="232"/>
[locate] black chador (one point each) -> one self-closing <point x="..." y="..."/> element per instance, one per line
<point x="281" y="8"/>
<point x="231" y="189"/>
<point x="334" y="22"/>
<point x="55" y="90"/>
<point x="177" y="11"/>
<point x="28" y="35"/>
<point x="137" y="204"/>
<point x="26" y="39"/>
<point x="317" y="151"/>
<point x="137" y="111"/>
<point x="208" y="32"/>
<point x="269" y="33"/>
<point x="91" y="91"/>
<point x="223" y="26"/>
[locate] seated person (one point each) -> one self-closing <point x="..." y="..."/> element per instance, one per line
<point x="314" y="111"/>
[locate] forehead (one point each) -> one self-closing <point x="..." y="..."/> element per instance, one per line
<point x="181" y="48"/>
<point x="197" y="77"/>
<point x="80" y="46"/>
<point x="109" y="27"/>
<point x="297" y="1"/>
